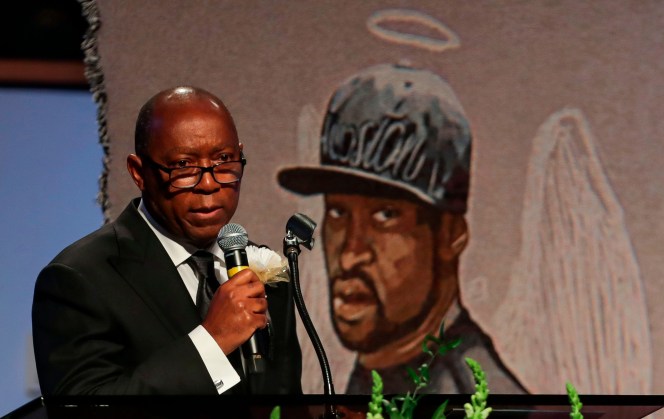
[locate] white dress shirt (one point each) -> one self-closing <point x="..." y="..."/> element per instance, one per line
<point x="221" y="371"/>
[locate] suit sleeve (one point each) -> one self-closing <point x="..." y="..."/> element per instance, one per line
<point x="81" y="348"/>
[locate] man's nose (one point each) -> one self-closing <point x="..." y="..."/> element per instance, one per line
<point x="356" y="250"/>
<point x="207" y="183"/>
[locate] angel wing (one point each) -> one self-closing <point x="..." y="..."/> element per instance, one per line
<point x="575" y="310"/>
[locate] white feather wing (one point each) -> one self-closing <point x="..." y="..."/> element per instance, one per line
<point x="575" y="310"/>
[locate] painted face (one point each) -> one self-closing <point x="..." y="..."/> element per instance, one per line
<point x="196" y="133"/>
<point x="379" y="258"/>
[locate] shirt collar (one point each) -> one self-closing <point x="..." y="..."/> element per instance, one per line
<point x="177" y="250"/>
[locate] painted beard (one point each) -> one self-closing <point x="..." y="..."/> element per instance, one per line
<point x="358" y="315"/>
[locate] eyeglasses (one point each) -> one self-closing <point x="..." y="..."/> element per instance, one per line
<point x="189" y="176"/>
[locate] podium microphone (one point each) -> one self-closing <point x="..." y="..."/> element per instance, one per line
<point x="233" y="240"/>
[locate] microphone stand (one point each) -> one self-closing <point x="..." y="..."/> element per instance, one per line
<point x="299" y="230"/>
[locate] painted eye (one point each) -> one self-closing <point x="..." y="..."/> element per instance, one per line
<point x="385" y="215"/>
<point x="335" y="212"/>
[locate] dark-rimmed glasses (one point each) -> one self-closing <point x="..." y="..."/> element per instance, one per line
<point x="189" y="176"/>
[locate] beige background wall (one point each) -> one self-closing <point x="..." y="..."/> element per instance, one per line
<point x="518" y="65"/>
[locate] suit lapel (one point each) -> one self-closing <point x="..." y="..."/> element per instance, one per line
<point x="147" y="268"/>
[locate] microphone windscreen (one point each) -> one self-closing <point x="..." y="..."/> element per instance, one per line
<point x="232" y="237"/>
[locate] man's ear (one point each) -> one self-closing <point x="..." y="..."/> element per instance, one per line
<point x="452" y="236"/>
<point x="135" y="168"/>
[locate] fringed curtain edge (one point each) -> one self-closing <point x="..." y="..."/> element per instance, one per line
<point x="95" y="77"/>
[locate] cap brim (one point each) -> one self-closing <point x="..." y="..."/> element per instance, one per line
<point x="310" y="180"/>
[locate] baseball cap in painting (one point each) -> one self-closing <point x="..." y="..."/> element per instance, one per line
<point x="391" y="130"/>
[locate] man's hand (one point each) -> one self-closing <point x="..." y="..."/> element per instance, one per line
<point x="237" y="309"/>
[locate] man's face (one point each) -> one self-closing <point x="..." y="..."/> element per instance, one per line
<point x="196" y="133"/>
<point x="379" y="258"/>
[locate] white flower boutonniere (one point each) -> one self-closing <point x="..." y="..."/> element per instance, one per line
<point x="267" y="264"/>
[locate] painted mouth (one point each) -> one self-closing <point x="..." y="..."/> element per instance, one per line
<point x="352" y="300"/>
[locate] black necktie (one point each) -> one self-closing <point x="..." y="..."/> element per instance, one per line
<point x="203" y="264"/>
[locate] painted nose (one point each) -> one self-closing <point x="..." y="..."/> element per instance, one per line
<point x="356" y="250"/>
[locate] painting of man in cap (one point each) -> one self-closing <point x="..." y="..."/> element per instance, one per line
<point x="395" y="150"/>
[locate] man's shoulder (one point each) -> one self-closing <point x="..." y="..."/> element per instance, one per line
<point x="97" y="243"/>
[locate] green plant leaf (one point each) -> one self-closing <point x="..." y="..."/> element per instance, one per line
<point x="441" y="331"/>
<point x="393" y="411"/>
<point x="403" y="407"/>
<point x="470" y="412"/>
<point x="424" y="373"/>
<point x="390" y="406"/>
<point x="396" y="415"/>
<point x="440" y="412"/>
<point x="415" y="378"/>
<point x="477" y="409"/>
<point x="426" y="346"/>
<point x="408" y="407"/>
<point x="443" y="349"/>
<point x="575" y="401"/>
<point x="276" y="413"/>
<point x="376" y="403"/>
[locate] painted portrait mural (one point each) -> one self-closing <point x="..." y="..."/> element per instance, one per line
<point x="493" y="166"/>
<point x="395" y="164"/>
<point x="395" y="152"/>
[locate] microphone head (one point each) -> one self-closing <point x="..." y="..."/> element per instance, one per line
<point x="232" y="237"/>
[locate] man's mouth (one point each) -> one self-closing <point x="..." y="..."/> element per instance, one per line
<point x="204" y="214"/>
<point x="352" y="299"/>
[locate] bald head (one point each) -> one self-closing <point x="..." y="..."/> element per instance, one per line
<point x="171" y="99"/>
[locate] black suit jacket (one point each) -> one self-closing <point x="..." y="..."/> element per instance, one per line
<point x="111" y="316"/>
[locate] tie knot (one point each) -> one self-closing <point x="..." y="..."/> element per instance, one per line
<point x="202" y="255"/>
<point x="204" y="263"/>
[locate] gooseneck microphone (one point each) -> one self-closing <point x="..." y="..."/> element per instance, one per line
<point x="233" y="240"/>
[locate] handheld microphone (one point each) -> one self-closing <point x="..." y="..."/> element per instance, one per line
<point x="233" y="240"/>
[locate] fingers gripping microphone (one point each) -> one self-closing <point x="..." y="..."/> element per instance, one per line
<point x="233" y="239"/>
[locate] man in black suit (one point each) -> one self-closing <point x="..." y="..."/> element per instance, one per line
<point x="115" y="312"/>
